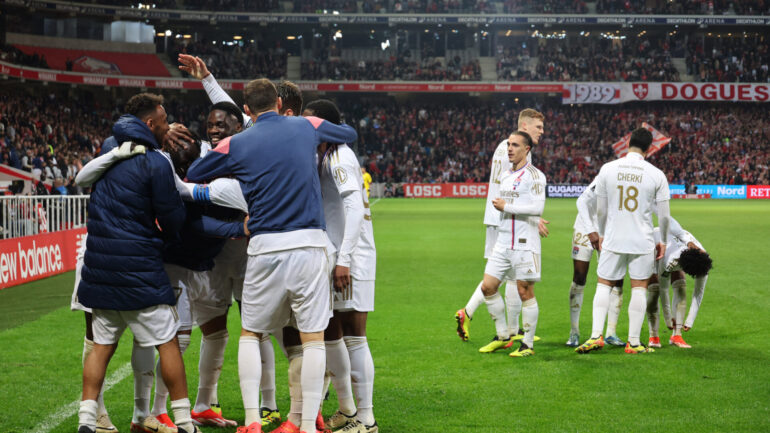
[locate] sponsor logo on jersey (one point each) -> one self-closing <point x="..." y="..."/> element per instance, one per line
<point x="340" y="175"/>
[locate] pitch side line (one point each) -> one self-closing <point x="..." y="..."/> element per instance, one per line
<point x="374" y="202"/>
<point x="72" y="408"/>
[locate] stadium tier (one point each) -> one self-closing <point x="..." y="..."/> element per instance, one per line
<point x="97" y="62"/>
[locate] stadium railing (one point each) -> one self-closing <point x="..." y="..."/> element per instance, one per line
<point x="33" y="215"/>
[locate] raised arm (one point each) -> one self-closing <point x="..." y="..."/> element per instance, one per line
<point x="196" y="67"/>
<point x="223" y="192"/>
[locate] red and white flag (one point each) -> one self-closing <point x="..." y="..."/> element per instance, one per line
<point x="658" y="141"/>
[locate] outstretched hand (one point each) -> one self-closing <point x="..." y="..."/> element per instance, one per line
<point x="194" y="66"/>
<point x="542" y="229"/>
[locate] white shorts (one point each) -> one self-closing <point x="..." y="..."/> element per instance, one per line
<point x="507" y="264"/>
<point x="491" y="240"/>
<point x="230" y="268"/>
<point x="151" y="326"/>
<point x="361" y="300"/>
<point x="75" y="305"/>
<point x="612" y="266"/>
<point x="205" y="300"/>
<point x="285" y="282"/>
<point x="581" y="247"/>
<point x="181" y="280"/>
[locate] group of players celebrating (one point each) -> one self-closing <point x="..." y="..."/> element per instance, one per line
<point x="615" y="218"/>
<point x="271" y="211"/>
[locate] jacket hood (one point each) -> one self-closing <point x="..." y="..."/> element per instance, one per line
<point x="130" y="128"/>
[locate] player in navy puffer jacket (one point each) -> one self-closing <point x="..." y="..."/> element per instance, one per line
<point x="134" y="207"/>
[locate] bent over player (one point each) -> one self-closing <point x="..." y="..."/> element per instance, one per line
<point x="684" y="255"/>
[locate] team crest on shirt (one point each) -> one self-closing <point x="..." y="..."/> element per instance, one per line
<point x="340" y="176"/>
<point x="537" y="189"/>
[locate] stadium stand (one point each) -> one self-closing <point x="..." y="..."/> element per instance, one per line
<point x="101" y="62"/>
<point x="429" y="69"/>
<point x="434" y="141"/>
<point x="729" y="59"/>
<point x="236" y="62"/>
<point x="715" y="7"/>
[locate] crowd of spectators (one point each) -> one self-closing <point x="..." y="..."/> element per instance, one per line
<point x="433" y="141"/>
<point x="711" y="144"/>
<point x="11" y="54"/>
<point x="238" y="61"/>
<point x="596" y="60"/>
<point x="701" y="7"/>
<point x="744" y="59"/>
<point x="685" y="7"/>
<point x="429" y="69"/>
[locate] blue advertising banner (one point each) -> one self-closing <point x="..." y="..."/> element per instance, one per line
<point x="676" y="189"/>
<point x="723" y="191"/>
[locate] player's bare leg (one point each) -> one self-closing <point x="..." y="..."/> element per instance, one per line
<point x="361" y="366"/>
<point x="579" y="274"/>
<point x="293" y="346"/>
<point x="94" y="368"/>
<point x="529" y="315"/>
<point x="161" y="390"/>
<point x="496" y="308"/>
<point x="103" y="422"/>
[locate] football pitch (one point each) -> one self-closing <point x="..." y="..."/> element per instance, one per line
<point x="427" y="380"/>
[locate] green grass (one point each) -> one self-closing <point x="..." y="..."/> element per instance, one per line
<point x="429" y="262"/>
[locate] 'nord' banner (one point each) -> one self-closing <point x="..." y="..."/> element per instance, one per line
<point x="31" y="258"/>
<point x="615" y="93"/>
<point x="445" y="190"/>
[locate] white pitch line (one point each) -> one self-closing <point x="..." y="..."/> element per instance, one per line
<point x="374" y="202"/>
<point x="68" y="410"/>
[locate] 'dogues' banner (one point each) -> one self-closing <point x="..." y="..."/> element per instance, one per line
<point x="615" y="93"/>
<point x="445" y="190"/>
<point x="31" y="258"/>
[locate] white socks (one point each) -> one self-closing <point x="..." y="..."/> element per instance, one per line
<point x="267" y="382"/>
<point x="653" y="320"/>
<point x="249" y="372"/>
<point x="338" y="365"/>
<point x="601" y="304"/>
<point x="529" y="313"/>
<point x="636" y="308"/>
<point x="209" y="367"/>
<point x="362" y="376"/>
<point x="496" y="309"/>
<point x="142" y="362"/>
<point x="575" y="304"/>
<point x="87" y="414"/>
<point x="680" y="304"/>
<point x="512" y="307"/>
<point x="161" y="392"/>
<point x="473" y="303"/>
<point x="613" y="310"/>
<point x="312" y="381"/>
<point x="294" y="354"/>
<point x="182" y="418"/>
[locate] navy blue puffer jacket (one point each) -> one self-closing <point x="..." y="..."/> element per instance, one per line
<point x="123" y="264"/>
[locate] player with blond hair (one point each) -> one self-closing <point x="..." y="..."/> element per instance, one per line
<point x="531" y="122"/>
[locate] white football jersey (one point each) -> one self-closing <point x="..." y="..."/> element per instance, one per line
<point x="521" y="187"/>
<point x="676" y="244"/>
<point x="341" y="173"/>
<point x="500" y="165"/>
<point x="632" y="187"/>
<point x="586" y="222"/>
